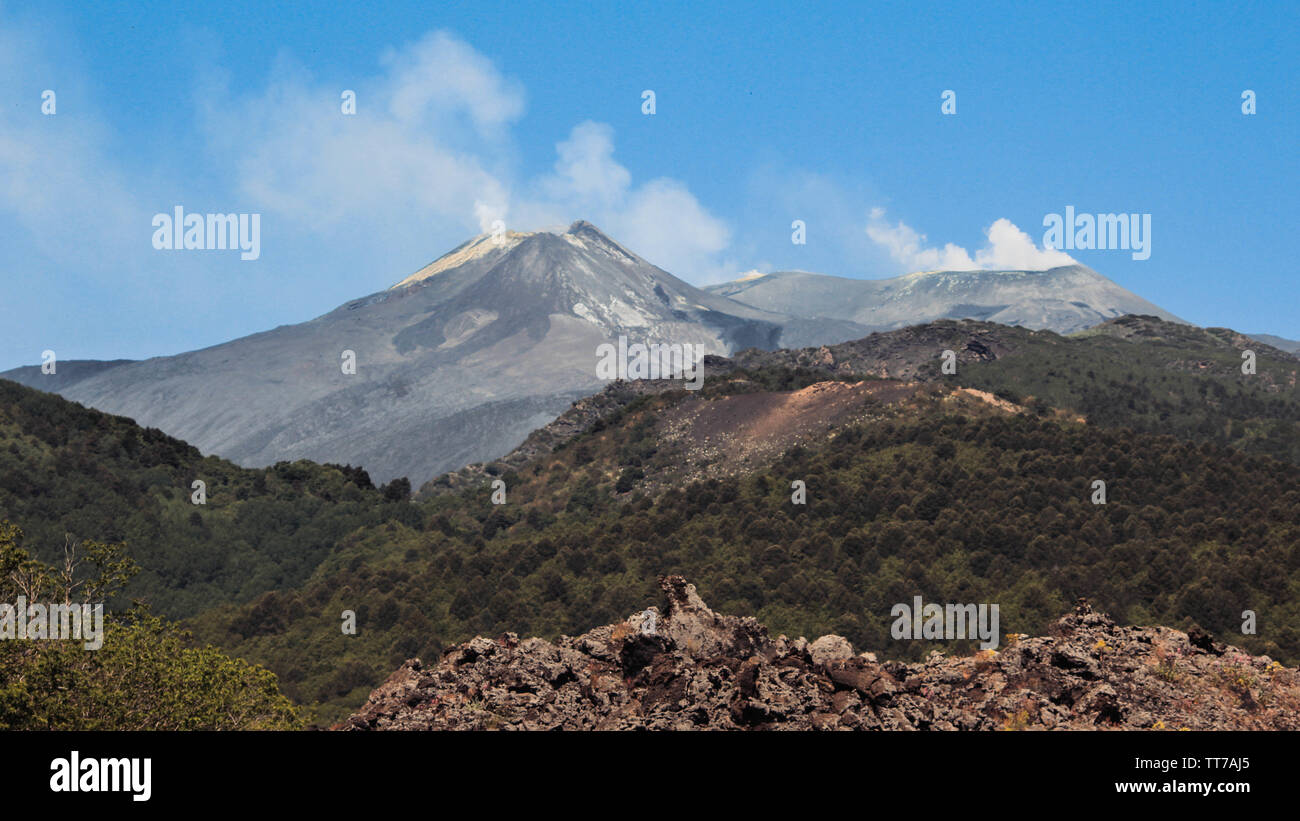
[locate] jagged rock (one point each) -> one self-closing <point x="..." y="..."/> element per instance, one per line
<point x="697" y="669"/>
<point x="830" y="648"/>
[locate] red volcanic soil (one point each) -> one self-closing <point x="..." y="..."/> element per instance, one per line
<point x="734" y="433"/>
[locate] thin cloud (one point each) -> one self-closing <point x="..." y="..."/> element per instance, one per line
<point x="430" y="146"/>
<point x="1008" y="248"/>
<point x="660" y="220"/>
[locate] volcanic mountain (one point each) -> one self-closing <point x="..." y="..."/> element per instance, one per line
<point x="1064" y="299"/>
<point x="454" y="364"/>
<point x="459" y="361"/>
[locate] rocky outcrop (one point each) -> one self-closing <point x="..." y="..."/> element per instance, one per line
<point x="909" y="353"/>
<point x="689" y="668"/>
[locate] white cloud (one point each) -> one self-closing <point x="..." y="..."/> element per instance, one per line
<point x="424" y="149"/>
<point x="671" y="229"/>
<point x="1008" y="248"/>
<point x="442" y="74"/>
<point x="907" y="246"/>
<point x="660" y="220"/>
<point x="428" y="159"/>
<point x="59" y="183"/>
<point x="585" y="172"/>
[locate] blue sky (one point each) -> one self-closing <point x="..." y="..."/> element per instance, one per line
<point x="765" y="113"/>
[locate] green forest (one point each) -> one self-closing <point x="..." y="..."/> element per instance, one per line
<point x="145" y="675"/>
<point x="67" y="471"/>
<point x="990" y="510"/>
<point x="1201" y="522"/>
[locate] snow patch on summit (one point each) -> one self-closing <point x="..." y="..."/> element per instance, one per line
<point x="480" y="246"/>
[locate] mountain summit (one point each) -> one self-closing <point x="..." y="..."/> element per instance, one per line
<point x="581" y="234"/>
<point x="583" y="274"/>
<point x="457" y="363"/>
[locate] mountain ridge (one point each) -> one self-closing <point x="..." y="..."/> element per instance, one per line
<point x="516" y="326"/>
<point x="1063" y="299"/>
<point x="459" y="361"/>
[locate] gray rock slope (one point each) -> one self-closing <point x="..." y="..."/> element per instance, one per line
<point x="458" y="362"/>
<point x="455" y="364"/>
<point x="1064" y="300"/>
<point x="1279" y="342"/>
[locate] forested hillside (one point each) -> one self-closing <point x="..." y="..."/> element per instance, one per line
<point x="993" y="507"/>
<point x="68" y="472"/>
<point x="1135" y="372"/>
<point x="977" y="486"/>
<point x="117" y="670"/>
